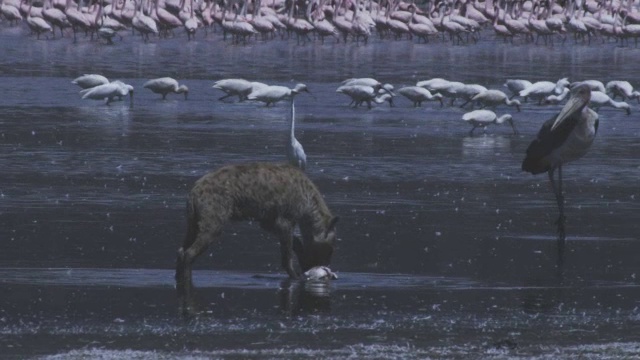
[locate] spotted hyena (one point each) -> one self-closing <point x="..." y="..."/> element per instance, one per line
<point x="278" y="196"/>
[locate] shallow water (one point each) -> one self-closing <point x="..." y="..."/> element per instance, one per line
<point x="446" y="248"/>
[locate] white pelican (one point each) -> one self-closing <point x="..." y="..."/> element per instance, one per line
<point x="272" y="94"/>
<point x="600" y="99"/>
<point x="484" y="118"/>
<point x="493" y="98"/>
<point x="362" y="93"/>
<point x="516" y="85"/>
<point x="109" y="92"/>
<point x="623" y="89"/>
<point x="87" y="81"/>
<point x="295" y="152"/>
<point x="541" y="89"/>
<point x="234" y="87"/>
<point x="418" y="94"/>
<point x="166" y="85"/>
<point x="563" y="138"/>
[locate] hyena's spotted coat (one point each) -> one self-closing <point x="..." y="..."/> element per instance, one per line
<point x="278" y="196"/>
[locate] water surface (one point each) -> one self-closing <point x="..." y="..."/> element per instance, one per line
<point x="446" y="248"/>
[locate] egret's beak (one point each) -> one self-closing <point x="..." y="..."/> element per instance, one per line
<point x="186" y="95"/>
<point x="131" y="98"/>
<point x="518" y="107"/>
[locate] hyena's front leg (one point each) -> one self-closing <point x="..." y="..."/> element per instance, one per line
<point x="284" y="229"/>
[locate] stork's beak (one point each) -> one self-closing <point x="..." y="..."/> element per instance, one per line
<point x="574" y="104"/>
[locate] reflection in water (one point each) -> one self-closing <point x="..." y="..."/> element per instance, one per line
<point x="305" y="297"/>
<point x="484" y="145"/>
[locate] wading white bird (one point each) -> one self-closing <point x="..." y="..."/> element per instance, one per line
<point x="87" y="81"/>
<point x="295" y="152"/>
<point x="516" y="85"/>
<point x="621" y="88"/>
<point x="484" y="118"/>
<point x="274" y="93"/>
<point x="600" y="99"/>
<point x="108" y="92"/>
<point x="493" y="98"/>
<point x="363" y="93"/>
<point x="418" y="94"/>
<point x="565" y="137"/>
<point x="541" y="89"/>
<point x="234" y="87"/>
<point x="166" y="85"/>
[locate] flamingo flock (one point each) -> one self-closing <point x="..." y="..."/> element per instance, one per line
<point x="342" y="21"/>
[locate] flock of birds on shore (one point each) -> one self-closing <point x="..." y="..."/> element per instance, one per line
<point x="368" y="91"/>
<point x="462" y="21"/>
<point x="563" y="138"/>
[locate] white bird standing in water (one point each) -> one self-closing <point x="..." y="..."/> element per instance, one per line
<point x="600" y="99"/>
<point x="365" y="93"/>
<point x="295" y="152"/>
<point x="87" y="81"/>
<point x="541" y="89"/>
<point x="108" y="92"/>
<point x="484" y="118"/>
<point x="516" y="85"/>
<point x="166" y="85"/>
<point x="493" y="98"/>
<point x="418" y="94"/>
<point x="272" y="94"/>
<point x="565" y="137"/>
<point x="234" y="87"/>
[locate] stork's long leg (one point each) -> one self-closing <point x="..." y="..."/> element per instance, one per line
<point x="561" y="219"/>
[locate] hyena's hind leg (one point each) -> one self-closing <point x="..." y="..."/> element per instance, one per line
<point x="201" y="232"/>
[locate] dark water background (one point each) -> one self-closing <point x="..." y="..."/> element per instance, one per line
<point x="446" y="248"/>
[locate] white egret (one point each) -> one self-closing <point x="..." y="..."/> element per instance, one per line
<point x="295" y="152"/>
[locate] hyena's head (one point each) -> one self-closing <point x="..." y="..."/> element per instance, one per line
<point x="316" y="251"/>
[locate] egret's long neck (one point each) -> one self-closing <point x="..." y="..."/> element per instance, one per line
<point x="293" y="119"/>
